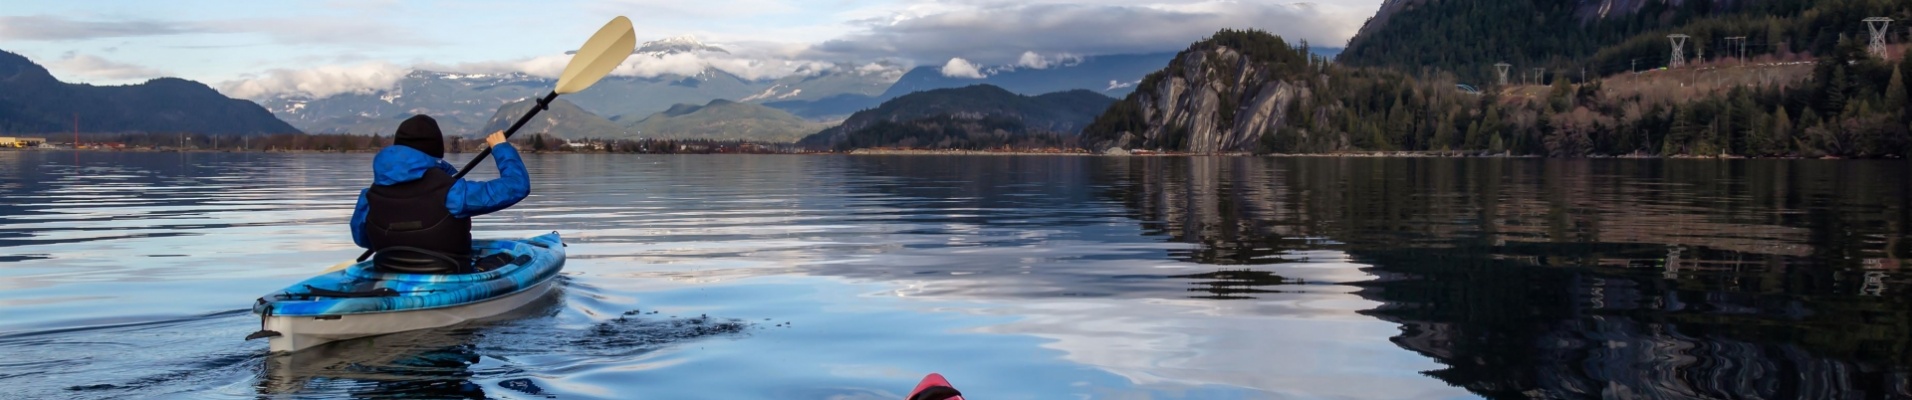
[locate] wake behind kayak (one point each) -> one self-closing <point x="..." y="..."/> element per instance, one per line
<point x="361" y="300"/>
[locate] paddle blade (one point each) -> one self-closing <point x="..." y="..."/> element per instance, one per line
<point x="606" y="49"/>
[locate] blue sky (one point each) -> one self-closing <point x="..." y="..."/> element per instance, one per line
<point x="256" y="48"/>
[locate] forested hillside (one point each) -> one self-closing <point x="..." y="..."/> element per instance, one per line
<point x="1602" y="37"/>
<point x="972" y="117"/>
<point x="32" y="101"/>
<point x="1850" y="104"/>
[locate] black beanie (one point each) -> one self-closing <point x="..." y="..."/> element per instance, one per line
<point x="421" y="132"/>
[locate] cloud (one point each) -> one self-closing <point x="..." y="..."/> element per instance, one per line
<point x="1031" y="60"/>
<point x="352" y="31"/>
<point x="317" y="82"/>
<point x="888" y="70"/>
<point x="1001" y="33"/>
<point x="651" y="66"/>
<point x="55" y="28"/>
<point x="93" y="68"/>
<point x="366" y="77"/>
<point x="291" y="30"/>
<point x="960" y="68"/>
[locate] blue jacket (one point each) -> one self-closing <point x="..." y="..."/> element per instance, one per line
<point x="467" y="198"/>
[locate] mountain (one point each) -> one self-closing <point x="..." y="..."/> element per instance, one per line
<point x="841" y="80"/>
<point x="1602" y="36"/>
<point x="1243" y="91"/>
<point x="563" y="120"/>
<point x="463" y="102"/>
<point x="1061" y="112"/>
<point x="725" y="120"/>
<point x="1221" y="95"/>
<point x="33" y="101"/>
<point x="1112" y="75"/>
<point x="675" y="45"/>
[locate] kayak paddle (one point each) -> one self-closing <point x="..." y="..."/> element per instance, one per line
<point x="596" y="58"/>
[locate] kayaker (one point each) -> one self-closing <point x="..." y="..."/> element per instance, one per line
<point x="414" y="206"/>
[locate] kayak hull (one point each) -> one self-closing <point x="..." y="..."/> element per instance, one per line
<point x="361" y="301"/>
<point x="303" y="332"/>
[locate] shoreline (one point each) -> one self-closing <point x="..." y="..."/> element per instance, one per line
<point x="1082" y="153"/>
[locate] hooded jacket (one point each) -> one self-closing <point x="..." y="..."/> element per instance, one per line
<point x="466" y="199"/>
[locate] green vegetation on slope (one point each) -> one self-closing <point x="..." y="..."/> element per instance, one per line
<point x="562" y="120"/>
<point x="1467" y="37"/>
<point x="1853" y="106"/>
<point x="33" y="101"/>
<point x="946" y="132"/>
<point x="966" y="109"/>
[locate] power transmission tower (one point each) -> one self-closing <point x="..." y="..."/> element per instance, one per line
<point x="1679" y="50"/>
<point x="1879" y="25"/>
<point x="1502" y="67"/>
<point x="1737" y="43"/>
<point x="1540" y="76"/>
<point x="1635" y="66"/>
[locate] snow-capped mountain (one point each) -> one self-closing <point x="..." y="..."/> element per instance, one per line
<point x="463" y="102"/>
<point x="1111" y="75"/>
<point x="460" y="102"/>
<point x="676" y="45"/>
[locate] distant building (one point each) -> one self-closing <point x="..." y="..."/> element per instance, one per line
<point x="21" y="142"/>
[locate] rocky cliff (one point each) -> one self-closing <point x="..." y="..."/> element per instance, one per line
<point x="1220" y="95"/>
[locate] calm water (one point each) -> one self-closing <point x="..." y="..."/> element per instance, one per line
<point x="129" y="275"/>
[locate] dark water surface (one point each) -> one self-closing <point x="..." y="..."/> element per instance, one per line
<point x="129" y="275"/>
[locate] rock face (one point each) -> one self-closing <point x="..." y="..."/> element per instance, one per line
<point x="1211" y="99"/>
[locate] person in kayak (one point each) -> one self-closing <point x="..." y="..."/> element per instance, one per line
<point x="415" y="211"/>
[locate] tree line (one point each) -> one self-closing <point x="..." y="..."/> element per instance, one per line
<point x="1851" y="105"/>
<point x="1468" y="37"/>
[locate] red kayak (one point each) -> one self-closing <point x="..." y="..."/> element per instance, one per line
<point x="934" y="387"/>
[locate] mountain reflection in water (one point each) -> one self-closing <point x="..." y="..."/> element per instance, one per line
<point x="1577" y="278"/>
<point x="1018" y="277"/>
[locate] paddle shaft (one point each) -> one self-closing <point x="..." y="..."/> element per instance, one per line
<point x="543" y="103"/>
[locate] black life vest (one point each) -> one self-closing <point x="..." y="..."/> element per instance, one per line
<point x="413" y="214"/>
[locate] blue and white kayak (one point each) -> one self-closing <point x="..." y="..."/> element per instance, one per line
<point x="360" y="301"/>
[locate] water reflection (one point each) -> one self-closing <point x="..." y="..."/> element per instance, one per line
<point x="1568" y="279"/>
<point x="1020" y="277"/>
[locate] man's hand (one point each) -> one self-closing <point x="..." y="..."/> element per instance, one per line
<point x="495" y="139"/>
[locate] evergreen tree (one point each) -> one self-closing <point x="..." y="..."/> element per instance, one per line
<point x="1474" y="139"/>
<point x="1833" y="99"/>
<point x="1684" y="131"/>
<point x="1780" y="140"/>
<point x="1895" y="94"/>
<point x="1561" y="96"/>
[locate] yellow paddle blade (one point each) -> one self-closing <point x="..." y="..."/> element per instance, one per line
<point x="606" y="49"/>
